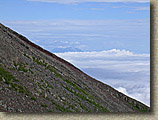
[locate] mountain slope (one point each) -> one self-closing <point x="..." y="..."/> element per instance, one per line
<point x="35" y="80"/>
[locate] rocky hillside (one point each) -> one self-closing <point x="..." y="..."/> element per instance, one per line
<point x="35" y="80"/>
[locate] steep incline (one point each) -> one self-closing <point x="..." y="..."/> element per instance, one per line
<point x="34" y="80"/>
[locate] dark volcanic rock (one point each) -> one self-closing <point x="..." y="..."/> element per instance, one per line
<point x="35" y="80"/>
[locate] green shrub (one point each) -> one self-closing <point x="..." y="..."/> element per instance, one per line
<point x="33" y="98"/>
<point x="7" y="81"/>
<point x="14" y="85"/>
<point x="21" y="68"/>
<point x="7" y="76"/>
<point x="0" y="78"/>
<point x="44" y="105"/>
<point x="21" y="91"/>
<point x="49" y="68"/>
<point x="27" y="93"/>
<point x="84" y="108"/>
<point x="50" y="111"/>
<point x="20" y="87"/>
<point x="39" y="62"/>
<point x="24" y="54"/>
<point x="31" y="71"/>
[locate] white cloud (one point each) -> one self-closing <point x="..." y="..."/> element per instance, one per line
<point x="123" y="90"/>
<point x="142" y="94"/>
<point x="97" y="8"/>
<point x="74" y="2"/>
<point x="141" y="8"/>
<point x="122" y="6"/>
<point x="125" y="71"/>
<point x="119" y="60"/>
<point x="61" y="47"/>
<point x="71" y="24"/>
<point x="133" y="8"/>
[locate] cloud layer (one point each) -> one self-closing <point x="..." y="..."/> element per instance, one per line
<point x="123" y="70"/>
<point x="82" y="1"/>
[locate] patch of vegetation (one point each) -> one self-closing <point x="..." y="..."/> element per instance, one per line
<point x="60" y="108"/>
<point x="3" y="89"/>
<point x="75" y="86"/>
<point x="50" y="111"/>
<point x="14" y="85"/>
<point x="71" y="84"/>
<point x="20" y="87"/>
<point x="7" y="76"/>
<point x="49" y="68"/>
<point x="28" y="75"/>
<point x="67" y="88"/>
<point x="47" y="98"/>
<point x="33" y="98"/>
<point x="101" y="109"/>
<point x="16" y="64"/>
<point x="21" y="90"/>
<point x="21" y="68"/>
<point x="38" y="69"/>
<point x="76" y="110"/>
<point x="134" y="107"/>
<point x="58" y="75"/>
<point x="17" y="87"/>
<point x="44" y="105"/>
<point x="41" y="86"/>
<point x="26" y="56"/>
<point x="31" y="71"/>
<point x="88" y="98"/>
<point x="27" y="93"/>
<point x="49" y="86"/>
<point x="143" y="108"/>
<point x="7" y="81"/>
<point x="39" y="62"/>
<point x="10" y="79"/>
<point x="84" y="108"/>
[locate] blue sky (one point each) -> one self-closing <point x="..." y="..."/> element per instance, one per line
<point x="114" y="37"/>
<point x="31" y="10"/>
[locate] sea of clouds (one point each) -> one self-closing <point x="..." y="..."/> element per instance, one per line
<point x="127" y="72"/>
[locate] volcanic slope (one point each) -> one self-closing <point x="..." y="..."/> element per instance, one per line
<point x="34" y="80"/>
